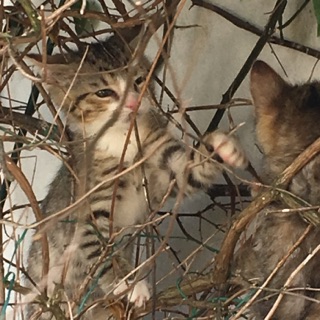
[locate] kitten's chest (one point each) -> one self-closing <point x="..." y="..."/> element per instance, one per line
<point x="131" y="200"/>
<point x="140" y="193"/>
<point x="116" y="142"/>
<point x="119" y="187"/>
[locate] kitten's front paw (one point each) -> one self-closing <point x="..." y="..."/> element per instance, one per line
<point x="138" y="294"/>
<point x="228" y="148"/>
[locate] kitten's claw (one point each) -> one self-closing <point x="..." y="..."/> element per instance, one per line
<point x="138" y="295"/>
<point x="229" y="150"/>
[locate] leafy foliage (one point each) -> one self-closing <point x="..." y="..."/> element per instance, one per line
<point x="84" y="26"/>
<point x="316" y="6"/>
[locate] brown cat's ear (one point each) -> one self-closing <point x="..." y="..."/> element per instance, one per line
<point x="266" y="87"/>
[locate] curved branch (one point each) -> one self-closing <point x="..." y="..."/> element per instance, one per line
<point x="245" y="25"/>
<point x="30" y="124"/>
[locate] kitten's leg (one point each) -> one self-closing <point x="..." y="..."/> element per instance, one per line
<point x="137" y="291"/>
<point x="138" y="295"/>
<point x="195" y="170"/>
<point x="114" y="267"/>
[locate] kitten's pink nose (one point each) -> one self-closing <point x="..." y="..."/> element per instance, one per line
<point x="132" y="101"/>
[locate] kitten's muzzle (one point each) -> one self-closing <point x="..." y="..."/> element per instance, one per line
<point x="132" y="101"/>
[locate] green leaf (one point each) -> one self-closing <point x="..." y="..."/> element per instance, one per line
<point x="84" y="25"/>
<point x="316" y="6"/>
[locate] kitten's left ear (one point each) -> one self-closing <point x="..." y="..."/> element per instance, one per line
<point x="267" y="87"/>
<point x="133" y="45"/>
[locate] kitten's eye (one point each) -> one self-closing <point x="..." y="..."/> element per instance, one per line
<point x="106" y="93"/>
<point x="139" y="80"/>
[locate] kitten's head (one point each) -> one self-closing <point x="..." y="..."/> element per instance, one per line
<point x="287" y="116"/>
<point x="89" y="85"/>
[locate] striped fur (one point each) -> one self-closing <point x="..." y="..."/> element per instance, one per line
<point x="286" y="124"/>
<point x="107" y="101"/>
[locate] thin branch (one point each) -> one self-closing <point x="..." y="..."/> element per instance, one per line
<point x="293" y="17"/>
<point x="2" y="271"/>
<point x="32" y="15"/>
<point x="291" y="277"/>
<point x="25" y="186"/>
<point x="29" y="123"/>
<point x="274" y="271"/>
<point x="224" y="257"/>
<point x="245" y="25"/>
<point x="196" y="284"/>
<point x="264" y="38"/>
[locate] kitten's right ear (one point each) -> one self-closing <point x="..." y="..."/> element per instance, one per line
<point x="56" y="66"/>
<point x="266" y="86"/>
<point x="37" y="59"/>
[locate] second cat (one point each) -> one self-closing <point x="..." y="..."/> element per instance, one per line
<point x="287" y="122"/>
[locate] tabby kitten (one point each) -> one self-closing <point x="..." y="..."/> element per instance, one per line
<point x="286" y="124"/>
<point x="98" y="98"/>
